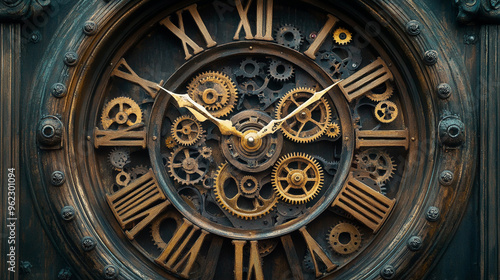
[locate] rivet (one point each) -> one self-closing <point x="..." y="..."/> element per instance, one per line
<point x="251" y="47"/>
<point x="68" y="213"/>
<point x="451" y="132"/>
<point x="88" y="137"/>
<point x="155" y="138"/>
<point x="49" y="134"/>
<point x="35" y="37"/>
<point x="57" y="178"/>
<point x="446" y="178"/>
<point x="432" y="214"/>
<point x="415" y="243"/>
<point x="413" y="28"/>
<point x="88" y="243"/>
<point x="430" y="57"/>
<point x="444" y="91"/>
<point x="90" y="27"/>
<point x="110" y="272"/>
<point x="58" y="90"/>
<point x="388" y="272"/>
<point x="70" y="58"/>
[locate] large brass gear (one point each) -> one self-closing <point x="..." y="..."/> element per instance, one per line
<point x="342" y="36"/>
<point x="309" y="124"/>
<point x="378" y="163"/>
<point x="122" y="111"/>
<point x="297" y="178"/>
<point x="186" y="130"/>
<point x="215" y="91"/>
<point x="187" y="165"/>
<point x="228" y="194"/>
<point x="386" y="111"/>
<point x="344" y="238"/>
<point x="381" y="93"/>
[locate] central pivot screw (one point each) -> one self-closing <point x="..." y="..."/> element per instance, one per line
<point x="297" y="178"/>
<point x="251" y="141"/>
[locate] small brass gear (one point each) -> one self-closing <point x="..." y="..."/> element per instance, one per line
<point x="309" y="124"/>
<point x="186" y="130"/>
<point x="333" y="130"/>
<point x="122" y="179"/>
<point x="344" y="238"/>
<point x="169" y="142"/>
<point x="215" y="91"/>
<point x="386" y="111"/>
<point x="297" y="178"/>
<point x="230" y="198"/>
<point x="122" y="111"/>
<point x="249" y="186"/>
<point x="342" y="36"/>
<point x="119" y="157"/>
<point x="381" y="93"/>
<point x="206" y="152"/>
<point x="156" y="227"/>
<point x="378" y="163"/>
<point x="187" y="166"/>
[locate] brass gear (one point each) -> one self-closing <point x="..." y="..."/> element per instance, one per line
<point x="344" y="238"/>
<point x="381" y="93"/>
<point x="156" y="227"/>
<point x="187" y="166"/>
<point x="169" y="142"/>
<point x="249" y="186"/>
<point x="118" y="158"/>
<point x="333" y="130"/>
<point x="342" y="36"/>
<point x="123" y="179"/>
<point x="186" y="130"/>
<point x="297" y="178"/>
<point x="386" y="111"/>
<point x="206" y="152"/>
<point x="309" y="124"/>
<point x="215" y="91"/>
<point x="232" y="200"/>
<point x="378" y="163"/>
<point x="121" y="110"/>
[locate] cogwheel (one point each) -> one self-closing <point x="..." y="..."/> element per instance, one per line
<point x="119" y="157"/>
<point x="206" y="152"/>
<point x="228" y="195"/>
<point x="122" y="178"/>
<point x="289" y="36"/>
<point x="386" y="111"/>
<point x="280" y="71"/>
<point x="169" y="142"/>
<point x="186" y="130"/>
<point x="138" y="171"/>
<point x="342" y="36"/>
<point x="249" y="68"/>
<point x="344" y="238"/>
<point x="122" y="111"/>
<point x="297" y="178"/>
<point x="378" y="163"/>
<point x="156" y="227"/>
<point x="249" y="186"/>
<point x="187" y="166"/>
<point x="309" y="124"/>
<point x="381" y="93"/>
<point x="215" y="91"/>
<point x="333" y="130"/>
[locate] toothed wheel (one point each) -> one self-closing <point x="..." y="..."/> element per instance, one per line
<point x="280" y="71"/>
<point x="289" y="36"/>
<point x="138" y="171"/>
<point x="206" y="152"/>
<point x="344" y="238"/>
<point x="249" y="186"/>
<point x="187" y="166"/>
<point x="386" y="111"/>
<point x="381" y="93"/>
<point x="333" y="130"/>
<point x="122" y="111"/>
<point x="378" y="163"/>
<point x="230" y="197"/>
<point x="186" y="130"/>
<point x="249" y="68"/>
<point x="215" y="91"/>
<point x="342" y="36"/>
<point x="297" y="178"/>
<point x="309" y="124"/>
<point x="118" y="158"/>
<point x="169" y="142"/>
<point x="169" y="217"/>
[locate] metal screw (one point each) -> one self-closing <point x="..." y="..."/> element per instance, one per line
<point x="415" y="243"/>
<point x="446" y="178"/>
<point x="444" y="91"/>
<point x="68" y="213"/>
<point x="413" y="28"/>
<point x="35" y="37"/>
<point x="388" y="272"/>
<point x="430" y="57"/>
<point x="110" y="272"/>
<point x="90" y="28"/>
<point x="432" y="214"/>
<point x="57" y="178"/>
<point x="88" y="243"/>
<point x="58" y="90"/>
<point x="70" y="58"/>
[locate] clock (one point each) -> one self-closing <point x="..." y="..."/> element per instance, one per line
<point x="258" y="139"/>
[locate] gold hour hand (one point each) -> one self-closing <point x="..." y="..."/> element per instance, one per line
<point x="200" y="113"/>
<point x="275" y="125"/>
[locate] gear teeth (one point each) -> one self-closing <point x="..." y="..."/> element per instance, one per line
<point x="337" y="36"/>
<point x="391" y="168"/>
<point x="378" y="97"/>
<point x="178" y="138"/>
<point x="106" y="121"/>
<point x="342" y="249"/>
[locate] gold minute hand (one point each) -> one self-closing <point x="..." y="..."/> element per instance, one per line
<point x="200" y="113"/>
<point x="274" y="125"/>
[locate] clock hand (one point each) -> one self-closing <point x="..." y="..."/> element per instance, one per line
<point x="274" y="125"/>
<point x="200" y="113"/>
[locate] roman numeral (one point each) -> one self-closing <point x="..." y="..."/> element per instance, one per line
<point x="127" y="137"/>
<point x="382" y="138"/>
<point x="180" y="32"/>
<point x="137" y="204"/>
<point x="316" y="251"/>
<point x="183" y="249"/>
<point x="124" y="71"/>
<point x="321" y="37"/>
<point x="366" y="79"/>
<point x="291" y="256"/>
<point x="364" y="203"/>
<point x="264" y="22"/>
<point x="254" y="262"/>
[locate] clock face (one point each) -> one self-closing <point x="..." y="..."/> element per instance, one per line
<point x="307" y="198"/>
<point x="253" y="139"/>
